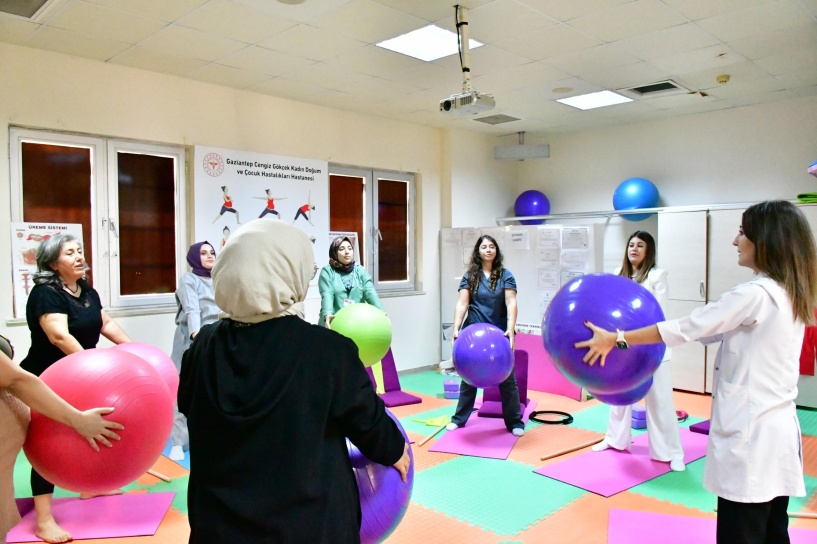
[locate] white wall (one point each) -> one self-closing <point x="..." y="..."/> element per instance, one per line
<point x="46" y="90"/>
<point x="737" y="155"/>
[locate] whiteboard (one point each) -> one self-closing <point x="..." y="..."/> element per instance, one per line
<point x="542" y="258"/>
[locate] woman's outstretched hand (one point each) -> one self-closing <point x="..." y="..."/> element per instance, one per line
<point x="94" y="428"/>
<point x="510" y="334"/>
<point x="402" y="465"/>
<point x="599" y="346"/>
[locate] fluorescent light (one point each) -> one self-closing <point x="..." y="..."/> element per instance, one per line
<point x="595" y="100"/>
<point x="427" y="43"/>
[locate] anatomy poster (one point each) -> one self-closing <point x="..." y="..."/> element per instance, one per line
<point x="25" y="239"/>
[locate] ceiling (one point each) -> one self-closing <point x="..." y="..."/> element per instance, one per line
<point x="322" y="52"/>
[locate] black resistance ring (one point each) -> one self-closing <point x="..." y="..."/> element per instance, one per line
<point x="566" y="420"/>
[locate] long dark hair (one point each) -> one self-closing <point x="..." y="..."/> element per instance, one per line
<point x="785" y="251"/>
<point x="474" y="271"/>
<point x="647" y="264"/>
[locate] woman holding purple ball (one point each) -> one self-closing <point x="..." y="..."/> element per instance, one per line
<point x="662" y="422"/>
<point x="487" y="294"/>
<point x="754" y="459"/>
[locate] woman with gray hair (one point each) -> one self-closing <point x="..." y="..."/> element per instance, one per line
<point x="64" y="315"/>
<point x="270" y="400"/>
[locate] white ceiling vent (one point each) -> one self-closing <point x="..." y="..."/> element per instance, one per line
<point x="660" y="88"/>
<point x="25" y="8"/>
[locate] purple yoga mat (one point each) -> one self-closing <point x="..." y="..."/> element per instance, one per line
<point x="481" y="437"/>
<point x="611" y="471"/>
<point x="132" y="514"/>
<point x="632" y="527"/>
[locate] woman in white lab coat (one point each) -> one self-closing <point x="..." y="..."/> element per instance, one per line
<point x="662" y="421"/>
<point x="754" y="455"/>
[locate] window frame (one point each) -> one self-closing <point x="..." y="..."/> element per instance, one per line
<point x="105" y="205"/>
<point x="370" y="238"/>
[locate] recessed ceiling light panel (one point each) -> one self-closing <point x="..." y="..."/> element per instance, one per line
<point x="595" y="100"/>
<point x="427" y="43"/>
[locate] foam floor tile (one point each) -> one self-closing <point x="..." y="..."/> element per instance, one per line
<point x="428" y="383"/>
<point x="178" y="485"/>
<point x="424" y="459"/>
<point x="422" y="429"/>
<point x="810" y="455"/>
<point x="546" y="440"/>
<point x="422" y="524"/>
<point x="593" y="418"/>
<point x="682" y="488"/>
<point x="801" y="504"/>
<point x="808" y="421"/>
<point x="478" y="491"/>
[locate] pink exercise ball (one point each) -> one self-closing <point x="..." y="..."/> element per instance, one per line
<point x="159" y="360"/>
<point x="101" y="378"/>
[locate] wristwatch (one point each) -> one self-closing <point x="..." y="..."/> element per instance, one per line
<point x="621" y="343"/>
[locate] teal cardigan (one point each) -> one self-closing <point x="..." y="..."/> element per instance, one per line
<point x="333" y="292"/>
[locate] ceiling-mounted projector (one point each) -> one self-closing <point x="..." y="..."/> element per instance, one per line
<point x="469" y="103"/>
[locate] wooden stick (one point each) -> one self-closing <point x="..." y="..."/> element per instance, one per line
<point x="572" y="449"/>
<point x="804" y="515"/>
<point x="158" y="475"/>
<point x="432" y="435"/>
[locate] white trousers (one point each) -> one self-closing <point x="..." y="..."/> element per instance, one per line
<point x="662" y="421"/>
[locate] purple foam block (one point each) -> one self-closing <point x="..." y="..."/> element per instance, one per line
<point x="702" y="427"/>
<point x="639" y="423"/>
<point x="639" y="412"/>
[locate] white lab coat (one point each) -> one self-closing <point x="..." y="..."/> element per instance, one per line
<point x="754" y="452"/>
<point x="662" y="422"/>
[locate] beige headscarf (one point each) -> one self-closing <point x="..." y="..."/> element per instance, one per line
<point x="263" y="272"/>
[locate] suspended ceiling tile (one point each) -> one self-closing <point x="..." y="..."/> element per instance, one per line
<point x="227" y="76"/>
<point x="136" y="57"/>
<point x="592" y="60"/>
<point x="698" y="59"/>
<point x="523" y="75"/>
<point x="287" y="88"/>
<point x="627" y="20"/>
<point x="236" y="21"/>
<point x="312" y="43"/>
<point x="666" y="42"/>
<point x="163" y="10"/>
<point x="326" y="75"/>
<point x="573" y="9"/>
<point x="754" y="21"/>
<point x="793" y="62"/>
<point x="375" y="61"/>
<point x="188" y="42"/>
<point x="548" y="42"/>
<point x="368" y="21"/>
<point x="430" y="10"/>
<point x="503" y="19"/>
<point x="695" y="10"/>
<point x="780" y="42"/>
<point x="265" y="61"/>
<point x="739" y="72"/>
<point x="102" y="23"/>
<point x="71" y="43"/>
<point x="16" y="30"/>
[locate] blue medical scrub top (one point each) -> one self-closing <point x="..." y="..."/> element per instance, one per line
<point x="488" y="306"/>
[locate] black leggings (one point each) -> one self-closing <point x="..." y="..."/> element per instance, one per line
<point x="753" y="523"/>
<point x="39" y="485"/>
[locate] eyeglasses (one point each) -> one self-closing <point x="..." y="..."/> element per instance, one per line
<point x="314" y="272"/>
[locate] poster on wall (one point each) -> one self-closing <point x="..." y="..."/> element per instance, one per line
<point x="25" y="239"/>
<point x="234" y="187"/>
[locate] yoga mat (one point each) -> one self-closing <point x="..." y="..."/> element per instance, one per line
<point x="132" y="514"/>
<point x="481" y="437"/>
<point x="632" y="527"/>
<point x="611" y="471"/>
<point x="542" y="374"/>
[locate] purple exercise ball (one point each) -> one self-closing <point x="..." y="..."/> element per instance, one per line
<point x="624" y="398"/>
<point x="610" y="302"/>
<point x="482" y="355"/>
<point x="384" y="497"/>
<point x="531" y="203"/>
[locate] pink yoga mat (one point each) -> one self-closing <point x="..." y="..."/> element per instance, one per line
<point x="481" y="437"/>
<point x="611" y="471"/>
<point x="632" y="527"/>
<point x="542" y="374"/>
<point x="132" y="514"/>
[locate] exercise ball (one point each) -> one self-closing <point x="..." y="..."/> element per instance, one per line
<point x="633" y="194"/>
<point x="610" y="302"/>
<point x="159" y="360"/>
<point x="102" y="378"/>
<point x="368" y="327"/>
<point x="625" y="398"/>
<point x="482" y="355"/>
<point x="384" y="497"/>
<point x="531" y="203"/>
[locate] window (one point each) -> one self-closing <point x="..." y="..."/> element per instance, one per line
<point x="128" y="196"/>
<point x="379" y="206"/>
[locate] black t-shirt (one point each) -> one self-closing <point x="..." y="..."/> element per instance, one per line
<point x="84" y="323"/>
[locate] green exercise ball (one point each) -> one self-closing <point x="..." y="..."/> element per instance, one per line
<point x="368" y="327"/>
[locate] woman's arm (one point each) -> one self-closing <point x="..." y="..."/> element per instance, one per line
<point x="112" y="331"/>
<point x="55" y="327"/>
<point x="35" y="393"/>
<point x="188" y="297"/>
<point x="604" y="341"/>
<point x="513" y="310"/>
<point x="463" y="300"/>
<point x="327" y="290"/>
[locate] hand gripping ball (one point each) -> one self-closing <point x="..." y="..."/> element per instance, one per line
<point x="611" y="302"/>
<point x="482" y="355"/>
<point x="384" y="497"/>
<point x="159" y="360"/>
<point x="100" y="378"/>
<point x="368" y="327"/>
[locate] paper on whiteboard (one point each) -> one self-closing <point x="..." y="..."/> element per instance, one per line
<point x="573" y="260"/>
<point x="569" y="275"/>
<point x="575" y="237"/>
<point x="549" y="237"/>
<point x="520" y="239"/>
<point x="547" y="279"/>
<point x="470" y="237"/>
<point x="547" y="257"/>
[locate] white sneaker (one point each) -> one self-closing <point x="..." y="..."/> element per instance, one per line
<point x="601" y="446"/>
<point x="677" y="465"/>
<point x="519" y="431"/>
<point x="452" y="427"/>
<point x="176" y="453"/>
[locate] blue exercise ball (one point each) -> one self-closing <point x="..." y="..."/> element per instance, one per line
<point x="531" y="203"/>
<point x="634" y="194"/>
